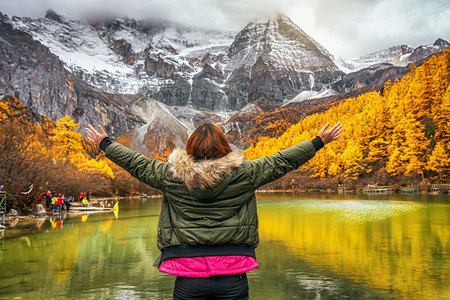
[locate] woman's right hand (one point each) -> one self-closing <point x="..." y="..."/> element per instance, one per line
<point x="95" y="136"/>
<point x="328" y="136"/>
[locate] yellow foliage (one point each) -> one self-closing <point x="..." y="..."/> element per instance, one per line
<point x="68" y="145"/>
<point x="439" y="160"/>
<point x="4" y="111"/>
<point x="387" y="129"/>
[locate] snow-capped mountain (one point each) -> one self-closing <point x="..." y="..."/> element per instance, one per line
<point x="107" y="69"/>
<point x="128" y="56"/>
<point x="29" y="71"/>
<point x="109" y="51"/>
<point x="209" y="70"/>
<point x="399" y="56"/>
<point x="275" y="60"/>
<point x="271" y="60"/>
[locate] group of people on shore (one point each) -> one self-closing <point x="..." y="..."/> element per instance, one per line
<point x="55" y="201"/>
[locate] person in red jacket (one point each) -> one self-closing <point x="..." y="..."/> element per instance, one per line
<point x="59" y="202"/>
<point x="81" y="196"/>
<point x="42" y="197"/>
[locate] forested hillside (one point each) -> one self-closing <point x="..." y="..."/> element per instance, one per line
<point x="396" y="135"/>
<point x="40" y="155"/>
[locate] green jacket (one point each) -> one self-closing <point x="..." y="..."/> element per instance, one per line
<point x="209" y="206"/>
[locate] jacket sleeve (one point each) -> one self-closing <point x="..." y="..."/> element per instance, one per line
<point x="147" y="170"/>
<point x="270" y="168"/>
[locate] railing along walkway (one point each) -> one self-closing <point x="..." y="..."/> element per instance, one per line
<point x="3" y="205"/>
<point x="378" y="189"/>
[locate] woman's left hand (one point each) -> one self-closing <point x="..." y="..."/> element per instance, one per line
<point x="328" y="136"/>
<point x="95" y="136"/>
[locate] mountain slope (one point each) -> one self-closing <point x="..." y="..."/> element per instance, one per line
<point x="275" y="60"/>
<point x="161" y="132"/>
<point x="399" y="56"/>
<point x="30" y="71"/>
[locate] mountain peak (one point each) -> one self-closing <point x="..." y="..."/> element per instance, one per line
<point x="440" y="42"/>
<point x="280" y="17"/>
<point x="53" y="15"/>
<point x="4" y="17"/>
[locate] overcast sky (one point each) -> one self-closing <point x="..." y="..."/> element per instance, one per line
<point x="347" y="28"/>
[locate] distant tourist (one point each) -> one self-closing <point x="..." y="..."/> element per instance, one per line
<point x="67" y="202"/>
<point x="54" y="204"/>
<point x="85" y="202"/>
<point x="48" y="200"/>
<point x="82" y="195"/>
<point x="42" y="197"/>
<point x="1" y="188"/>
<point x="59" y="203"/>
<point x="208" y="223"/>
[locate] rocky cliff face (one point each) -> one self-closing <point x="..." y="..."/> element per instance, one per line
<point x="277" y="60"/>
<point x="36" y="76"/>
<point x="156" y="59"/>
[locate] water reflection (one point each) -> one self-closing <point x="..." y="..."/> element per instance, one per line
<point x="310" y="249"/>
<point x="399" y="247"/>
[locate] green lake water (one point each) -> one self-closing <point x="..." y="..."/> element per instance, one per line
<point x="313" y="246"/>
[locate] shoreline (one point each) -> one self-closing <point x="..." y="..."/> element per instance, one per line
<point x="77" y="208"/>
<point x="358" y="190"/>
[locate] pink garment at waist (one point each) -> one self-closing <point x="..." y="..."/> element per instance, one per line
<point x="208" y="266"/>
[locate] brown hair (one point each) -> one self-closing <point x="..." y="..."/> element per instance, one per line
<point x="208" y="141"/>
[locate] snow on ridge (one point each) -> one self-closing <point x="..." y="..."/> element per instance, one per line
<point x="307" y="95"/>
<point x="132" y="37"/>
<point x="396" y="55"/>
<point x="79" y="47"/>
<point x="215" y="44"/>
<point x="87" y="51"/>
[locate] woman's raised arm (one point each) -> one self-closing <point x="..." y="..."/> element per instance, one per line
<point x="270" y="168"/>
<point x="147" y="170"/>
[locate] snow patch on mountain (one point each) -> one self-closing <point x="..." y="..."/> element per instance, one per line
<point x="136" y="39"/>
<point x="307" y="95"/>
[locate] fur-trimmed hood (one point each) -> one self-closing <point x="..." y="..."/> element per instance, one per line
<point x="204" y="173"/>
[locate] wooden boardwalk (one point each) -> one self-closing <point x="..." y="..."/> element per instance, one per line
<point x="344" y="189"/>
<point x="440" y="188"/>
<point x="378" y="189"/>
<point x="408" y="189"/>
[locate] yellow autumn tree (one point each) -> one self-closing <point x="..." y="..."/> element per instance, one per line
<point x="68" y="145"/>
<point x="409" y="140"/>
<point x="439" y="160"/>
<point x="353" y="162"/>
